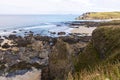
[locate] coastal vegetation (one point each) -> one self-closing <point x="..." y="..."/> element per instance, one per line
<point x="100" y="60"/>
<point x="99" y="15"/>
<point x="113" y="22"/>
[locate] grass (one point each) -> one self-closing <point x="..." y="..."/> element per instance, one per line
<point x="101" y="58"/>
<point x="101" y="72"/>
<point x="113" y="22"/>
<point x="100" y="15"/>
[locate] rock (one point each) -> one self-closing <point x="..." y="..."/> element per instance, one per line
<point x="14" y="32"/>
<point x="12" y="37"/>
<point x="15" y="49"/>
<point x="61" y="33"/>
<point x="5" y="37"/>
<point x="58" y="25"/>
<point x="59" y="61"/>
<point x="84" y="23"/>
<point x="44" y="54"/>
<point x="20" y="30"/>
<point x="21" y="42"/>
<point x="37" y="45"/>
<point x="85" y="38"/>
<point x="52" y="32"/>
<point x="10" y="58"/>
<point x="5" y="45"/>
<point x="45" y="74"/>
<point x="26" y="32"/>
<point x="31" y="32"/>
<point x="1" y="40"/>
<point x="5" y="30"/>
<point x="70" y="40"/>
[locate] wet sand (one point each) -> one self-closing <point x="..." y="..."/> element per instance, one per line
<point x="83" y="30"/>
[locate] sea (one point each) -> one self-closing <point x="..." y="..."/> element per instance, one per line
<point x="39" y="24"/>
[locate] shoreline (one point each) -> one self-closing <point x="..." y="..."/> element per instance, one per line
<point x="33" y="51"/>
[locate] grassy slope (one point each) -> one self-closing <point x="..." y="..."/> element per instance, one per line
<point x="100" y="59"/>
<point x="114" y="22"/>
<point x="100" y="15"/>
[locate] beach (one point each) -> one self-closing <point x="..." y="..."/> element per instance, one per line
<point x="83" y="30"/>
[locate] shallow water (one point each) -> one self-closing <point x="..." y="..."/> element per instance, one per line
<point x="40" y="24"/>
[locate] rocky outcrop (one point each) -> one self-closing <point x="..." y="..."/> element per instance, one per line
<point x="59" y="61"/>
<point x="52" y="55"/>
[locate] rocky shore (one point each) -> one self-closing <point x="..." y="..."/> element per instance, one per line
<point x="19" y="55"/>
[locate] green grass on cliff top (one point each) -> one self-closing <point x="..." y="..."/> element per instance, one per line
<point x="101" y="15"/>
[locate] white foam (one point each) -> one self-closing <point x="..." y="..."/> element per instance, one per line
<point x="40" y="27"/>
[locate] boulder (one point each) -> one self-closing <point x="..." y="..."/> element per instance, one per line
<point x="14" y="32"/>
<point x="6" y="45"/>
<point x="44" y="54"/>
<point x="12" y="37"/>
<point x="61" y="33"/>
<point x="37" y="45"/>
<point x="21" y="42"/>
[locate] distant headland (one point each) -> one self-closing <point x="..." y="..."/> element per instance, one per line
<point x="99" y="16"/>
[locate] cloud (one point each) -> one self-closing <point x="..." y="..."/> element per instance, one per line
<point x="56" y="6"/>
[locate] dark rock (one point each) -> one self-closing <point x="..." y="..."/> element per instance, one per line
<point x="43" y="38"/>
<point x="26" y="32"/>
<point x="5" y="37"/>
<point x="21" y="42"/>
<point x="6" y="45"/>
<point x="61" y="33"/>
<point x="85" y="23"/>
<point x="31" y="32"/>
<point x="5" y="30"/>
<point x="85" y="38"/>
<point x="1" y="40"/>
<point x="14" y="32"/>
<point x="70" y="40"/>
<point x="58" y="25"/>
<point x="12" y="37"/>
<point x="45" y="74"/>
<point x="52" y="32"/>
<point x="20" y="30"/>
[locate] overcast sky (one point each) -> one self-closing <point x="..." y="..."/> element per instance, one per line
<point x="57" y="6"/>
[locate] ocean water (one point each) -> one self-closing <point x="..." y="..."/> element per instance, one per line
<point x="39" y="24"/>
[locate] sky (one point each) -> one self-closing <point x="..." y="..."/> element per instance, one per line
<point x="57" y="6"/>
